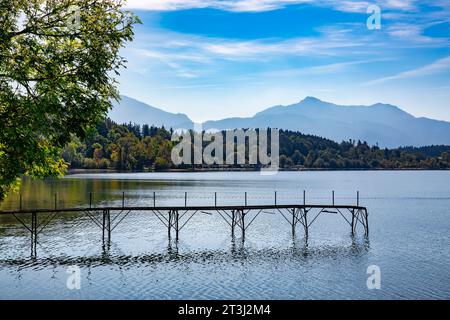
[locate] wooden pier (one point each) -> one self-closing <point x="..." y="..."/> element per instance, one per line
<point x="238" y="217"/>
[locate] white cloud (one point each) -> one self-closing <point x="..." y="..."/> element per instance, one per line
<point x="267" y="5"/>
<point x="401" y="4"/>
<point x="326" y="69"/>
<point x="436" y="67"/>
<point x="166" y="5"/>
<point x="350" y="6"/>
<point x="228" y="5"/>
<point x="329" y="43"/>
<point x="414" y="34"/>
<point x="172" y="60"/>
<point x="166" y="45"/>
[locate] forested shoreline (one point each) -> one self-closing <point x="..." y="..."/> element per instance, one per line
<point x="130" y="147"/>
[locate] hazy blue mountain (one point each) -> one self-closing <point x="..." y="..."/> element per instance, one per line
<point x="385" y="124"/>
<point x="131" y="110"/>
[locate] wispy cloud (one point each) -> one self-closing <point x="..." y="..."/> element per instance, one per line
<point x="268" y="5"/>
<point x="228" y="5"/>
<point x="190" y="56"/>
<point x="170" y="46"/>
<point x="174" y="61"/>
<point x="436" y="67"/>
<point x="401" y="4"/>
<point x="325" y="69"/>
<point x="414" y="35"/>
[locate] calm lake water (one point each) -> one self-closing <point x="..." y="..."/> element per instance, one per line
<point x="409" y="215"/>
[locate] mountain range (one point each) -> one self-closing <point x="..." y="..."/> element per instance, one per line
<point x="382" y="124"/>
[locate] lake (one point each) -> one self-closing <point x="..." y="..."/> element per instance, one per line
<point x="409" y="216"/>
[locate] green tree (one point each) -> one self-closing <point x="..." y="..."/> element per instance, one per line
<point x="98" y="153"/>
<point x="283" y="160"/>
<point x="289" y="163"/>
<point x="319" y="163"/>
<point x="73" y="153"/>
<point x="127" y="145"/>
<point x="145" y="130"/>
<point x="57" y="61"/>
<point x="298" y="158"/>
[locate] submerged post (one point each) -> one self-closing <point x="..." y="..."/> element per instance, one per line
<point x="246" y="199"/>
<point x="108" y="218"/>
<point x="242" y="213"/>
<point x="215" y="199"/>
<point x="34" y="233"/>
<point x="357" y="198"/>
<point x="123" y="199"/>
<point x="305" y="219"/>
<point x="333" y="197"/>
<point x="106" y="226"/>
<point x="20" y="201"/>
<point x="367" y="222"/>
<point x="56" y="201"/>
<point x="103" y="227"/>
<point x="275" y="198"/>
<point x="233" y="222"/>
<point x="353" y="221"/>
<point x="90" y="200"/>
<point x="293" y="222"/>
<point x="170" y="224"/>
<point x="185" y="199"/>
<point x="177" y="229"/>
<point x="154" y="199"/>
<point x="304" y="197"/>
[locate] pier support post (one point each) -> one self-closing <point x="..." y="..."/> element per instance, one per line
<point x="294" y="222"/>
<point x="242" y="214"/>
<point x="233" y="222"/>
<point x="108" y="218"/>
<point x="173" y="223"/>
<point x="177" y="229"/>
<point x="361" y="216"/>
<point x="34" y="233"/>
<point x="305" y="220"/>
<point x="106" y="226"/>
<point x="367" y="222"/>
<point x="103" y="226"/>
<point x="353" y="222"/>
<point x="169" y="225"/>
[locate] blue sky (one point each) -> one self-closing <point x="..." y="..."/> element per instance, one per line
<point x="213" y="59"/>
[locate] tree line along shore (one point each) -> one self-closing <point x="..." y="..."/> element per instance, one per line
<point x="131" y="147"/>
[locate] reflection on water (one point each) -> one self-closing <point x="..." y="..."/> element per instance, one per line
<point x="409" y="220"/>
<point x="298" y="251"/>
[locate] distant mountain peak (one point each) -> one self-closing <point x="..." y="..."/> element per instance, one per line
<point x="135" y="111"/>
<point x="381" y="123"/>
<point x="385" y="105"/>
<point x="391" y="108"/>
<point x="310" y="99"/>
